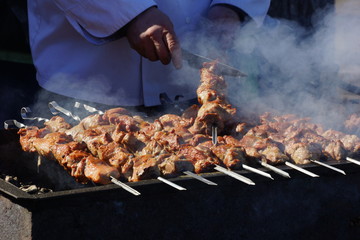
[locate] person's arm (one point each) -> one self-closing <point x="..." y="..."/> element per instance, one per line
<point x="148" y="30"/>
<point x="98" y="21"/>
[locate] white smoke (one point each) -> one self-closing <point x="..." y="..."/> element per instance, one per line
<point x="295" y="70"/>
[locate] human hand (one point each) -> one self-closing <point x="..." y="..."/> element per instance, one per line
<point x="152" y="35"/>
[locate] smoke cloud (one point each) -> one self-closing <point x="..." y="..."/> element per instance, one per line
<point x="293" y="69"/>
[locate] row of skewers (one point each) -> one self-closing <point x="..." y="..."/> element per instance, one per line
<point x="115" y="145"/>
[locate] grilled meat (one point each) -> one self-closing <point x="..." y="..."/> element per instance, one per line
<point x="125" y="146"/>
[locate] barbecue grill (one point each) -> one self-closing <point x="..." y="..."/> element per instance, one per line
<point x="300" y="207"/>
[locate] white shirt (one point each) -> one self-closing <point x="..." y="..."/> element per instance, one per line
<point x="75" y="57"/>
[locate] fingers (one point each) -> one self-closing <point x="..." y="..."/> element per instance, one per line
<point x="152" y="35"/>
<point x="174" y="47"/>
<point x="160" y="47"/>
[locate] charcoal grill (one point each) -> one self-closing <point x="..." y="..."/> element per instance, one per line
<point x="297" y="208"/>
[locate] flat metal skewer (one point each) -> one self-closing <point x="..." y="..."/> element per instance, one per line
<point x="353" y="161"/>
<point x="257" y="171"/>
<point x="55" y="109"/>
<point x="301" y="169"/>
<point x="214" y="134"/>
<point x="174" y="185"/>
<point x="234" y="175"/>
<point x="24" y="115"/>
<point x="88" y="108"/>
<point x="275" y="169"/>
<point x="200" y="178"/>
<point x="124" y="186"/>
<point x="12" y="122"/>
<point x="328" y="166"/>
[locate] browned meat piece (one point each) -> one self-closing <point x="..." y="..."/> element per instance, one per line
<point x="75" y="163"/>
<point x="352" y="124"/>
<point x="214" y="114"/>
<point x="153" y="147"/>
<point x="206" y="94"/>
<point x="335" y="150"/>
<point x="231" y="156"/>
<point x="115" y="154"/>
<point x="93" y="121"/>
<point x="57" y="124"/>
<point x="173" y="165"/>
<point x="151" y="128"/>
<point x="270" y="150"/>
<point x="184" y="133"/>
<point x="262" y="131"/>
<point x="240" y="129"/>
<point x="29" y="134"/>
<point x="169" y="139"/>
<point x="301" y="152"/>
<point x="78" y="162"/>
<point x="201" y="157"/>
<point x="210" y="77"/>
<point x="134" y="141"/>
<point x="60" y="151"/>
<point x="191" y="112"/>
<point x="273" y="155"/>
<point x="98" y="171"/>
<point x="44" y="145"/>
<point x="112" y="114"/>
<point x="351" y="142"/>
<point x="94" y="138"/>
<point x="172" y="121"/>
<point x="260" y="148"/>
<point x="145" y="167"/>
<point x="198" y="139"/>
<point x="126" y="123"/>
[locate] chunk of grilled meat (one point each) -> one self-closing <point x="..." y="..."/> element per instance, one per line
<point x="57" y="124"/>
<point x="71" y="155"/>
<point x="201" y="157"/>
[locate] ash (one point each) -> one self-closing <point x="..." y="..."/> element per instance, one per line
<point x="28" y="187"/>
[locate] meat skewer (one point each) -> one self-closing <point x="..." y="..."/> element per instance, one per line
<point x="70" y="154"/>
<point x="307" y="172"/>
<point x="234" y="175"/>
<point x="275" y="169"/>
<point x="124" y="186"/>
<point x="353" y="161"/>
<point x="257" y="171"/>
<point x="328" y="166"/>
<point x="205" y="138"/>
<point x="200" y="178"/>
<point x="174" y="185"/>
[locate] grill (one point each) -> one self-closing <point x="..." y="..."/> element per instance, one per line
<point x="300" y="207"/>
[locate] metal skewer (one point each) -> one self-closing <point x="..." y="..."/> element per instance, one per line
<point x="353" y="161"/>
<point x="328" y="166"/>
<point x="234" y="175"/>
<point x="275" y="169"/>
<point x="171" y="183"/>
<point x="55" y="109"/>
<point x="10" y="123"/>
<point x="214" y="134"/>
<point x="257" y="171"/>
<point x="301" y="169"/>
<point x="24" y="115"/>
<point x="200" y="178"/>
<point x="124" y="186"/>
<point x="88" y="108"/>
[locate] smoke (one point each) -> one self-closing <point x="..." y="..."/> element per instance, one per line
<point x="293" y="69"/>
